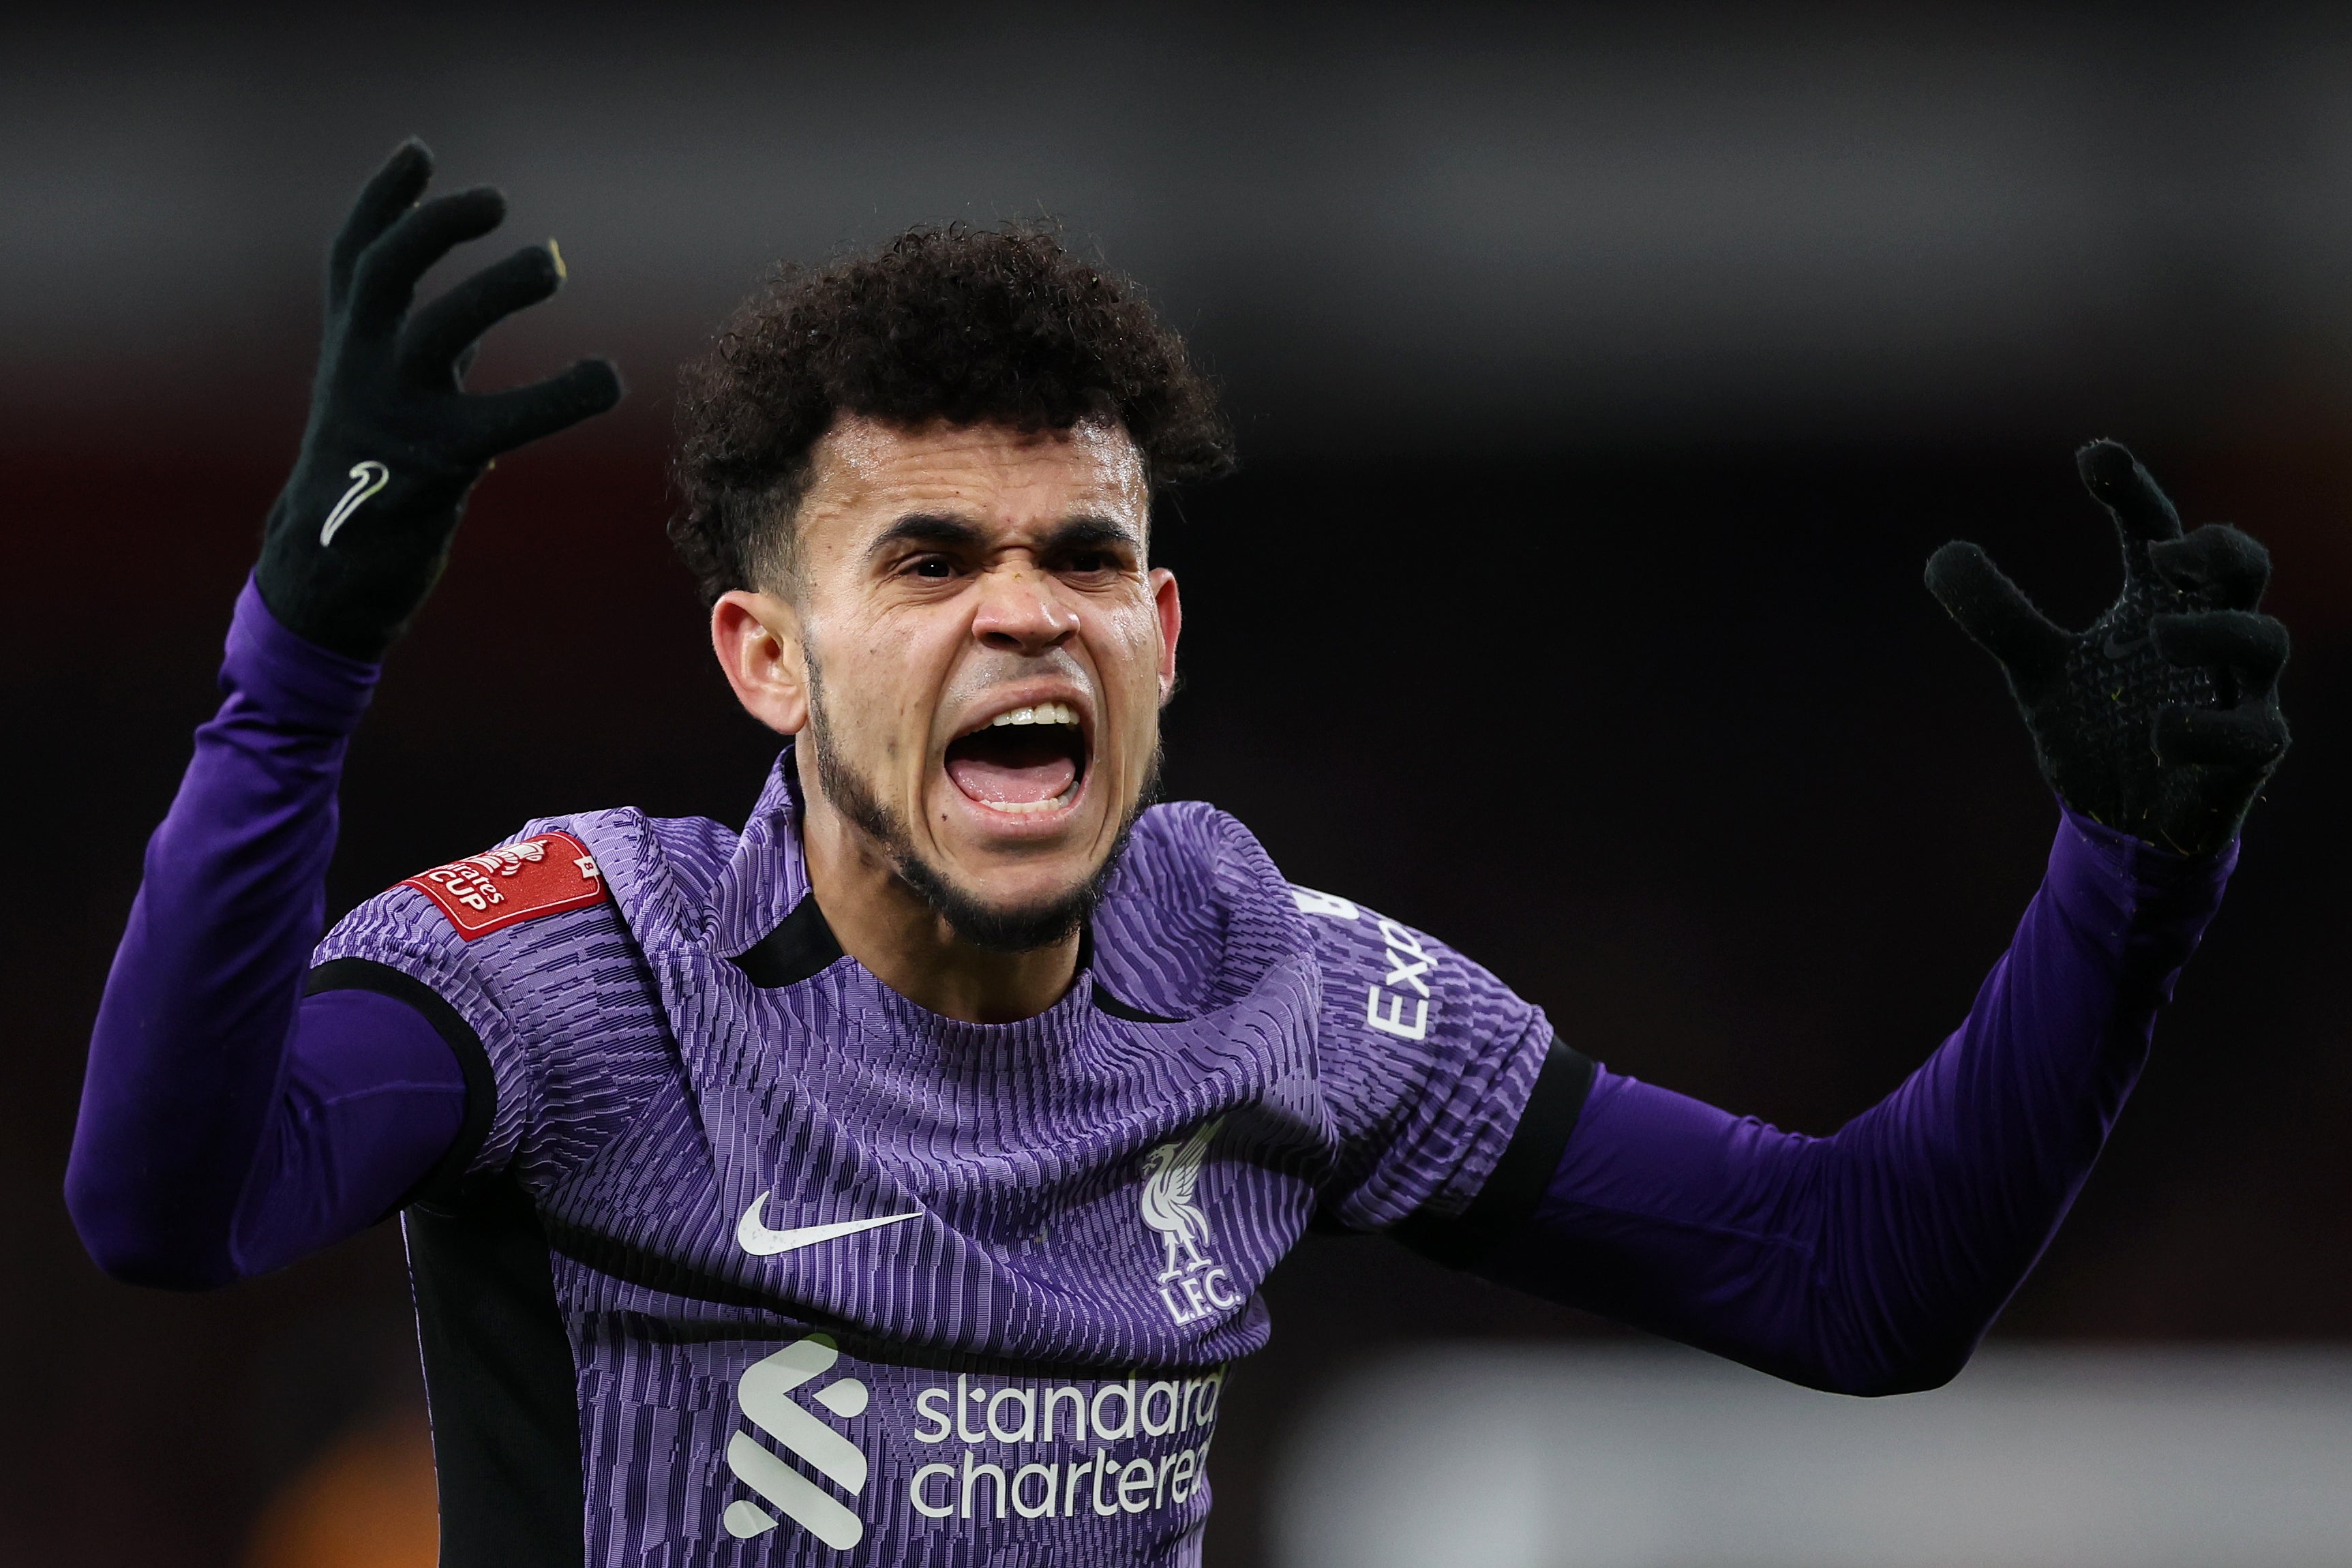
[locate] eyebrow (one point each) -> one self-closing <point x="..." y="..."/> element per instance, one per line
<point x="924" y="528"/>
<point x="943" y="532"/>
<point x="1091" y="528"/>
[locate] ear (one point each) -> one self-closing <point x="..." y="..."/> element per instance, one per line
<point x="756" y="638"/>
<point x="1169" y="607"/>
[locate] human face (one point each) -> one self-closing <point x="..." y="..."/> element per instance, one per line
<point x="952" y="580"/>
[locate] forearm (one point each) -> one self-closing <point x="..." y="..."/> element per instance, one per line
<point x="1874" y="1260"/>
<point x="207" y="1112"/>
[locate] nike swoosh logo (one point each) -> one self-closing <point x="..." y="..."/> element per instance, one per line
<point x="366" y="479"/>
<point x="2124" y="647"/>
<point x="761" y="1242"/>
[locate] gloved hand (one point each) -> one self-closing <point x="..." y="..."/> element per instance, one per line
<point x="363" y="529"/>
<point x="2162" y="719"/>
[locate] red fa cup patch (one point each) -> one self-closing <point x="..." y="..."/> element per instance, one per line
<point x="499" y="888"/>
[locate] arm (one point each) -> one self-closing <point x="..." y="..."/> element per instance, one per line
<point x="1874" y="1260"/>
<point x="226" y="1125"/>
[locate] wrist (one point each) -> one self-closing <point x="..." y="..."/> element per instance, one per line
<point x="2128" y="895"/>
<point x="289" y="677"/>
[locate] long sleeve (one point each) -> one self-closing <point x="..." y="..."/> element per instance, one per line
<point x="227" y="1125"/>
<point x="1872" y="1261"/>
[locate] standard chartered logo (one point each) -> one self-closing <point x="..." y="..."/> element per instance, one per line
<point x="1031" y="1450"/>
<point x="1012" y="1422"/>
<point x="765" y="1394"/>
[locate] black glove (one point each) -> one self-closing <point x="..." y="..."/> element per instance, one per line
<point x="362" y="527"/>
<point x="2162" y="719"/>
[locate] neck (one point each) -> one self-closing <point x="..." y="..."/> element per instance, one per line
<point x="886" y="926"/>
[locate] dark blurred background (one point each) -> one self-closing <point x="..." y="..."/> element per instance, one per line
<point x="1603" y="380"/>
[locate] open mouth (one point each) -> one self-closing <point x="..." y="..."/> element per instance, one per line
<point x="1030" y="759"/>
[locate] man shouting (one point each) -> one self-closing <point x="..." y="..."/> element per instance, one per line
<point x="892" y="1180"/>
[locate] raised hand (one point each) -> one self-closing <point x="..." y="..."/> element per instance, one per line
<point x="2161" y="719"/>
<point x="363" y="527"/>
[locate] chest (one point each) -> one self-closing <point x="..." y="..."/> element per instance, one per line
<point x="1096" y="1190"/>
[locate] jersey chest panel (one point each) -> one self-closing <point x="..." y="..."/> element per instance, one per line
<point x="857" y="1287"/>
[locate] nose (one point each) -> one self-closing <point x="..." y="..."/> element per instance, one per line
<point x="1021" y="613"/>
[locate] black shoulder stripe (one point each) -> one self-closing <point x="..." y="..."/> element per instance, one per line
<point x="473" y="1061"/>
<point x="801" y="946"/>
<point x="1520" y="1177"/>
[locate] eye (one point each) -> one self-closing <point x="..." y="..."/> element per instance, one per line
<point x="936" y="567"/>
<point x="1089" y="563"/>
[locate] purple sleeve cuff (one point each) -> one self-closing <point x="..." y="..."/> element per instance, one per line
<point x="290" y="681"/>
<point x="2138" y="903"/>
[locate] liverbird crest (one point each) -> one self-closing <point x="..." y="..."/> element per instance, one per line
<point x="1172" y="1173"/>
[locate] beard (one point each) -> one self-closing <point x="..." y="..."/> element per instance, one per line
<point x="993" y="928"/>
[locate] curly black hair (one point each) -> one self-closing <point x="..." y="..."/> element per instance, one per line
<point x="969" y="325"/>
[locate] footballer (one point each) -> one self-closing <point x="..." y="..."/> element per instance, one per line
<point x="891" y="1178"/>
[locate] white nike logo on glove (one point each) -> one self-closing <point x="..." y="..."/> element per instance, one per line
<point x="761" y="1242"/>
<point x="366" y="479"/>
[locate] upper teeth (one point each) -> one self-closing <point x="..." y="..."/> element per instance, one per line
<point x="1043" y="714"/>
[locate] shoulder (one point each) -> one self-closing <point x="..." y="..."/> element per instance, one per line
<point x="1191" y="865"/>
<point x="1188" y="852"/>
<point x="1196" y="914"/>
<point x="1427" y="1060"/>
<point x="1385" y="981"/>
<point x="545" y="900"/>
<point x="548" y="1003"/>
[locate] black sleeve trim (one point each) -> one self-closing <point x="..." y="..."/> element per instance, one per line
<point x="1517" y="1181"/>
<point x="473" y="1061"/>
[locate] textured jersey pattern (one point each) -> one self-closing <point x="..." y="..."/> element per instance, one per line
<point x="1021" y="1361"/>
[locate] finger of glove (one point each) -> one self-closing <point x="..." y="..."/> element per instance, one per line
<point x="2127" y="490"/>
<point x="385" y="279"/>
<point x="2235" y="738"/>
<point x="2230" y="567"/>
<point x="2250" y="647"/>
<point x="438" y="333"/>
<point x="389" y="192"/>
<point x="1992" y="610"/>
<point x="501" y="421"/>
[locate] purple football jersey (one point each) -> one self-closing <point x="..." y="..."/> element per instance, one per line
<point x="748" y="1259"/>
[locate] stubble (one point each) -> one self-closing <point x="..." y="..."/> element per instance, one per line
<point x="1020" y="928"/>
